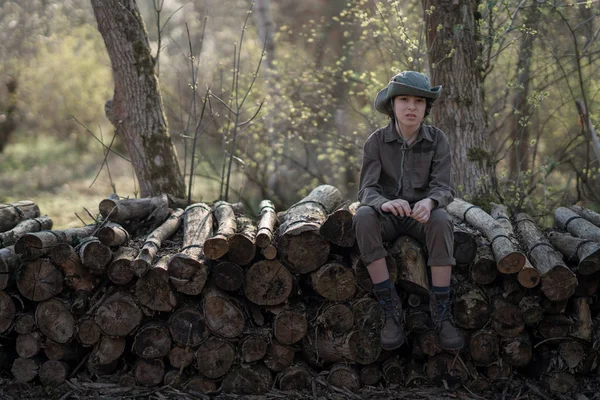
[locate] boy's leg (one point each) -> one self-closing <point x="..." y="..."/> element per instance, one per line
<point x="371" y="230"/>
<point x="438" y="235"/>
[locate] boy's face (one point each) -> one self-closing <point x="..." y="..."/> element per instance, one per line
<point x="409" y="111"/>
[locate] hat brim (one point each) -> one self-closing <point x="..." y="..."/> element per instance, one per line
<point x="393" y="89"/>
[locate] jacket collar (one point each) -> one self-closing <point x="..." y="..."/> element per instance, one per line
<point x="390" y="133"/>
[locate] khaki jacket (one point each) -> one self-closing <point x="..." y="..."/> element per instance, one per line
<point x="391" y="170"/>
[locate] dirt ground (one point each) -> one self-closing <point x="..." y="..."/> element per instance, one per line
<point x="511" y="389"/>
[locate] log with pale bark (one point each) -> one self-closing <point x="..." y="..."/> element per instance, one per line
<point x="26" y="226"/>
<point x="13" y="213"/>
<point x="558" y="281"/>
<point x="217" y="246"/>
<point x="153" y="243"/>
<point x="39" y="244"/>
<point x="155" y="209"/>
<point x="586" y="252"/>
<point x="188" y="269"/>
<point x="299" y="230"/>
<point x="266" y="224"/>
<point x="509" y="258"/>
<point x="586" y="213"/>
<point x="576" y="225"/>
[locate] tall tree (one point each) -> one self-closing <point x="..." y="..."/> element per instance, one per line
<point x="454" y="61"/>
<point x="136" y="109"/>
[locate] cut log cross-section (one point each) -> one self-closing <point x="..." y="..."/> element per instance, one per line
<point x="528" y="277"/>
<point x="8" y="311"/>
<point x="334" y="281"/>
<point x="266" y="224"/>
<point x="223" y="314"/>
<point x="215" y="357"/>
<point x="585" y="251"/>
<point x="188" y="270"/>
<point x="254" y="347"/>
<point x="299" y="245"/>
<point x="12" y="214"/>
<point x="118" y="315"/>
<point x="338" y="229"/>
<point x="152" y="341"/>
<point x="412" y="266"/>
<point x="509" y="258"/>
<point x="218" y="245"/>
<point x="76" y="276"/>
<point x="105" y="357"/>
<point x="39" y="280"/>
<point x="94" y="255"/>
<point x="290" y="326"/>
<point x="187" y="326"/>
<point x="112" y="234"/>
<point x="9" y="261"/>
<point x="153" y="243"/>
<point x="242" y="245"/>
<point x="54" y="320"/>
<point x="268" y="283"/>
<point x="120" y="270"/>
<point x="228" y="276"/>
<point x="558" y="281"/>
<point x="153" y="289"/>
<point x="26" y="226"/>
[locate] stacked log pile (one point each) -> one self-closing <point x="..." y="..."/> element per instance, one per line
<point x="209" y="299"/>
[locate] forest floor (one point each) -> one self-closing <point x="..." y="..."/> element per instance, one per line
<point x="511" y="389"/>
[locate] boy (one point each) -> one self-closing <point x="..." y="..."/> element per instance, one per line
<point x="405" y="184"/>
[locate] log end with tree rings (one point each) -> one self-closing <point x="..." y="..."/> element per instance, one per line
<point x="39" y="280"/>
<point x="248" y="380"/>
<point x="268" y="283"/>
<point x="223" y="314"/>
<point x="215" y="357"/>
<point x="336" y="317"/>
<point x="216" y="247"/>
<point x="8" y="311"/>
<point x="88" y="332"/>
<point x="517" y="351"/>
<point x="334" y="282"/>
<point x="344" y="377"/>
<point x="337" y="228"/>
<point x="529" y="277"/>
<point x="55" y="320"/>
<point x="200" y="384"/>
<point x="149" y="372"/>
<point x="290" y="326"/>
<point x="152" y="341"/>
<point x="154" y="291"/>
<point x="295" y="378"/>
<point x="443" y="367"/>
<point x="304" y="252"/>
<point x="25" y="369"/>
<point x="241" y="249"/>
<point x="105" y="356"/>
<point x="94" y="255"/>
<point x="181" y="356"/>
<point x="253" y="348"/>
<point x="187" y="274"/>
<point x="471" y="310"/>
<point x="484" y="347"/>
<point x="118" y="315"/>
<point x="559" y="283"/>
<point x="279" y="356"/>
<point x="507" y="320"/>
<point x="370" y="374"/>
<point x="53" y="373"/>
<point x="228" y="276"/>
<point x="560" y="382"/>
<point x="187" y="326"/>
<point x="511" y="263"/>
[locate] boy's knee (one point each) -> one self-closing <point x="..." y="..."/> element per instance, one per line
<point x="440" y="218"/>
<point x="364" y="215"/>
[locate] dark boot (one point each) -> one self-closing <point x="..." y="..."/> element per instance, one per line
<point x="440" y="306"/>
<point x="392" y="334"/>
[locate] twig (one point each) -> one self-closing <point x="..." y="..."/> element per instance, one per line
<point x="546" y="340"/>
<point x="537" y="391"/>
<point x="78" y="367"/>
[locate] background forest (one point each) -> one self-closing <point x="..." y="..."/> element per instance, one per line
<point x="303" y="76"/>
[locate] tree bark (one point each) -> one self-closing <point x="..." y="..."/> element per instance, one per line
<point x="218" y="245"/>
<point x="484" y="270"/>
<point x="465" y="246"/>
<point x="188" y="270"/>
<point x="582" y="329"/>
<point x="9" y="261"/>
<point x="268" y="283"/>
<point x="558" y="281"/>
<point x="13" y="213"/>
<point x="585" y="251"/>
<point x="300" y="230"/>
<point x="508" y="257"/>
<point x="153" y="289"/>
<point x="451" y="34"/>
<point x="567" y="220"/>
<point x="586" y="213"/>
<point x="26" y="226"/>
<point x="266" y="224"/>
<point x="39" y="244"/>
<point x="136" y="107"/>
<point x="153" y="243"/>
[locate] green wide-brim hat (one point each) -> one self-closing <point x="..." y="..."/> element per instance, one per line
<point x="407" y="83"/>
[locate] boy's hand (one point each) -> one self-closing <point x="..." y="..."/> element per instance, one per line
<point x="422" y="210"/>
<point x="398" y="207"/>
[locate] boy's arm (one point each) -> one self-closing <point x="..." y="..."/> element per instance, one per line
<point x="441" y="185"/>
<point x="370" y="190"/>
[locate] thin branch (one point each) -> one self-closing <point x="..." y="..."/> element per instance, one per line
<point x="98" y="140"/>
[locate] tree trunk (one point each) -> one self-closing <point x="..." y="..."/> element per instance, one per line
<point x="39" y="280"/>
<point x="13" y="213"/>
<point x="567" y="220"/>
<point x="153" y="289"/>
<point x="118" y="315"/>
<point x="268" y="283"/>
<point x="113" y="235"/>
<point x="218" y="245"/>
<point x="39" y="244"/>
<point x="337" y="228"/>
<point x="223" y="314"/>
<point x="585" y="251"/>
<point x="215" y="357"/>
<point x="266" y="225"/>
<point x="136" y="109"/>
<point x="9" y="261"/>
<point x="152" y="341"/>
<point x="188" y="270"/>
<point x="558" y="281"/>
<point x="120" y="270"/>
<point x="187" y="326"/>
<point x="153" y="243"/>
<point x="451" y="33"/>
<point x="67" y="260"/>
<point x="26" y="226"/>
<point x="55" y="320"/>
<point x="242" y="245"/>
<point x="300" y="230"/>
<point x="334" y="282"/>
<point x="508" y="257"/>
